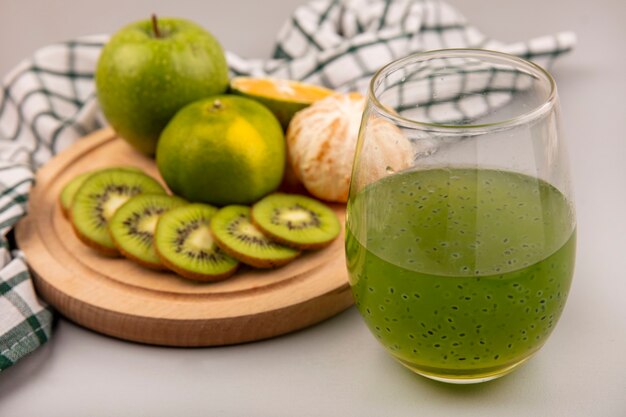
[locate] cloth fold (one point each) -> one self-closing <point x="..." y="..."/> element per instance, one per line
<point x="48" y="102"/>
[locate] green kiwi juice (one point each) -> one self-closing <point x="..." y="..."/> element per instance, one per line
<point x="460" y="273"/>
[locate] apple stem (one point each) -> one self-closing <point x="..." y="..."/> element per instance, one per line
<point x="155" y="26"/>
<point x="217" y="104"/>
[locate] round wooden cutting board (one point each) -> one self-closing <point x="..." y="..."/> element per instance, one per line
<point x="117" y="297"/>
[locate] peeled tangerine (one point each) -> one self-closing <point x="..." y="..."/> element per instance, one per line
<point x="321" y="141"/>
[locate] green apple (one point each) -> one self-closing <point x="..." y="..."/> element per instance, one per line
<point x="150" y="69"/>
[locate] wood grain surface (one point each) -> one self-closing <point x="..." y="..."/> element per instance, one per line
<point x="119" y="298"/>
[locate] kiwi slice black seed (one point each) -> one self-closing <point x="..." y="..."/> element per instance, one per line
<point x="133" y="225"/>
<point x="237" y="236"/>
<point x="185" y="245"/>
<point x="69" y="190"/>
<point x="99" y="197"/>
<point x="297" y="221"/>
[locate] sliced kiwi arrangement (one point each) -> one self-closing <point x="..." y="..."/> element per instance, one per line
<point x="185" y="245"/>
<point x="296" y="221"/>
<point x="237" y="236"/>
<point x="124" y="211"/>
<point x="133" y="226"/>
<point x="69" y="190"/>
<point x="97" y="199"/>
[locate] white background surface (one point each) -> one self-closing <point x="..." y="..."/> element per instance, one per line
<point x="337" y="368"/>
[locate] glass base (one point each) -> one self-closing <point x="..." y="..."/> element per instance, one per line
<point x="465" y="377"/>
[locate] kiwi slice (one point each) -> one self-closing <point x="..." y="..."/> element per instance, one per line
<point x="99" y="197"/>
<point x="296" y="221"/>
<point x="133" y="225"/>
<point x="184" y="244"/>
<point x="238" y="237"/>
<point x="69" y="190"/>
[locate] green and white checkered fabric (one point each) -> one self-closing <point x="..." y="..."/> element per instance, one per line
<point x="48" y="102"/>
<point x="25" y="322"/>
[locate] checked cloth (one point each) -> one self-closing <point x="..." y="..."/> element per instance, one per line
<point x="48" y="102"/>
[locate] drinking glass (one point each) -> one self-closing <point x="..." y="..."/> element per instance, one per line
<point x="461" y="231"/>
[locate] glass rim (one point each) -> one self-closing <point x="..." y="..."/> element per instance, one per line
<point x="536" y="112"/>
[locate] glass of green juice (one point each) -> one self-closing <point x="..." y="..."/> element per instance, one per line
<point x="460" y="230"/>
